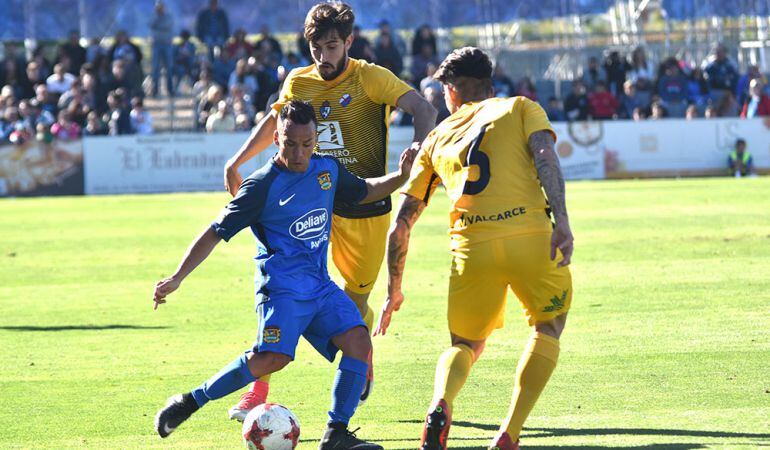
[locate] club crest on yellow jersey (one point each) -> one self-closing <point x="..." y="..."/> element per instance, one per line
<point x="325" y="109"/>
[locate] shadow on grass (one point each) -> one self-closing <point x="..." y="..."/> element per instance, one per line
<point x="594" y="447"/>
<point x="81" y="327"/>
<point x="563" y="432"/>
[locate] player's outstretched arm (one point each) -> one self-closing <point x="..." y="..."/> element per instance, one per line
<point x="198" y="251"/>
<point x="261" y="137"/>
<point x="549" y="171"/>
<point x="381" y="187"/>
<point x="422" y="111"/>
<point x="398" y="244"/>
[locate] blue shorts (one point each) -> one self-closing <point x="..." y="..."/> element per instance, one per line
<point x="283" y="319"/>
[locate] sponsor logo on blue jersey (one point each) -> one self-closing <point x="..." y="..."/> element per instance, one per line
<point x="311" y="225"/>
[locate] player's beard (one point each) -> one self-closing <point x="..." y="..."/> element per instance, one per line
<point x="339" y="68"/>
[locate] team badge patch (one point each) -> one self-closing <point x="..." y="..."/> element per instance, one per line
<point x="325" y="109"/>
<point x="345" y="100"/>
<point x="271" y="335"/>
<point x="325" y="181"/>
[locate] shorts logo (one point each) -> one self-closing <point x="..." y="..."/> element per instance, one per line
<point x="325" y="181"/>
<point x="325" y="109"/>
<point x="345" y="100"/>
<point x="271" y="335"/>
<point x="556" y="303"/>
<point x="311" y="225"/>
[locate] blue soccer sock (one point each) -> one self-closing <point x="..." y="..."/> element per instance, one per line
<point x="348" y="385"/>
<point x="228" y="380"/>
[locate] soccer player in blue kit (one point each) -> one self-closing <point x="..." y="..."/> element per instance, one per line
<point x="288" y="205"/>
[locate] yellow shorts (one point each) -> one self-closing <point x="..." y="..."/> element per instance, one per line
<point x="482" y="273"/>
<point x="358" y="247"/>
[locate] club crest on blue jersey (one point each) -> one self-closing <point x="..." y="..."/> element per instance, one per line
<point x="325" y="180"/>
<point x="325" y="109"/>
<point x="345" y="99"/>
<point x="271" y="335"/>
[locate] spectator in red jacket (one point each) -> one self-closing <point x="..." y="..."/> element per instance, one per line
<point x="757" y="103"/>
<point x="602" y="104"/>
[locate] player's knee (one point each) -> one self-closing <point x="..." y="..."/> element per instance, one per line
<point x="361" y="300"/>
<point x="553" y="327"/>
<point x="477" y="347"/>
<point x="355" y="343"/>
<point x="265" y="363"/>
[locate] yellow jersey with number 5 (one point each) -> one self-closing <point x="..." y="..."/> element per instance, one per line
<point x="481" y="156"/>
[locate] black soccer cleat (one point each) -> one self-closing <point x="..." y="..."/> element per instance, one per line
<point x="338" y="437"/>
<point x="178" y="409"/>
<point x="436" y="430"/>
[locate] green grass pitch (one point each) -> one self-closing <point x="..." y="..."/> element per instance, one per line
<point x="667" y="345"/>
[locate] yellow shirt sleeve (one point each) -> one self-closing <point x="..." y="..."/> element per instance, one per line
<point x="381" y="85"/>
<point x="534" y="118"/>
<point x="423" y="180"/>
<point x="286" y="92"/>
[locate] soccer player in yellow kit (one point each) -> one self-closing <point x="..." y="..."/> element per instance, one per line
<point x="495" y="158"/>
<point x="352" y="99"/>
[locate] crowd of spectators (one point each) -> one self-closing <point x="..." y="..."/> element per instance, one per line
<point x="96" y="90"/>
<point x="632" y="88"/>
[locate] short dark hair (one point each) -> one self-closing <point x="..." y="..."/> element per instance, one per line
<point x="327" y="17"/>
<point x="740" y="141"/>
<point x="299" y="112"/>
<point x="468" y="69"/>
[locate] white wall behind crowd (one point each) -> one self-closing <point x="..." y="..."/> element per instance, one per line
<point x="588" y="150"/>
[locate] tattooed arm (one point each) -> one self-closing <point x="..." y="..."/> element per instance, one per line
<point x="398" y="243"/>
<point x="549" y="171"/>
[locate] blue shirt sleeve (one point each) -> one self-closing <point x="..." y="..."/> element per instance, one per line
<point x="350" y="189"/>
<point x="244" y="210"/>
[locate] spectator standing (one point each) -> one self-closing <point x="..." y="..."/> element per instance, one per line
<point x="502" y="83"/>
<point x="603" y="105"/>
<point x="162" y="35"/>
<point x="673" y="90"/>
<point x="244" y="78"/>
<point x="424" y="36"/>
<point x="641" y="72"/>
<point x="429" y="81"/>
<point x="615" y="69"/>
<point x="740" y="162"/>
<point x="758" y="103"/>
<point x="387" y="55"/>
<point x="131" y="55"/>
<point x="698" y="88"/>
<point x="60" y="81"/>
<point x="72" y="51"/>
<point x="65" y="129"/>
<point x="526" y="89"/>
<point x="395" y="39"/>
<point x="184" y="60"/>
<point x="26" y="85"/>
<point x="269" y="44"/>
<point x="742" y="88"/>
<point x="592" y="74"/>
<point x="720" y="71"/>
<point x="141" y="120"/>
<point x="95" y="50"/>
<point x="361" y="48"/>
<point x="576" y="103"/>
<point x="212" y="27"/>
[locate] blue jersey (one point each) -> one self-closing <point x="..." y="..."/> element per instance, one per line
<point x="290" y="215"/>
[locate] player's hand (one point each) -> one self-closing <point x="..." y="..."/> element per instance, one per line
<point x="233" y="179"/>
<point x="563" y="240"/>
<point x="391" y="305"/>
<point x="407" y="159"/>
<point x="162" y="289"/>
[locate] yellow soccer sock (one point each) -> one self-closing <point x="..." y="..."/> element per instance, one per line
<point x="369" y="318"/>
<point x="452" y="370"/>
<point x="535" y="368"/>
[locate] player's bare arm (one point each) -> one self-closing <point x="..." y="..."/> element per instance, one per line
<point x="261" y="137"/>
<point x="198" y="251"/>
<point x="398" y="244"/>
<point x="381" y="187"/>
<point x="552" y="180"/>
<point x="423" y="112"/>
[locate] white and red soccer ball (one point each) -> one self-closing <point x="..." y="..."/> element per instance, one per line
<point x="271" y="426"/>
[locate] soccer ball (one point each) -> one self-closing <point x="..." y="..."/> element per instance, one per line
<point x="271" y="426"/>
